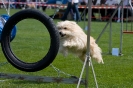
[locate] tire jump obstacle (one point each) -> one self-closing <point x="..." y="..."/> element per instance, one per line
<point x="38" y="65"/>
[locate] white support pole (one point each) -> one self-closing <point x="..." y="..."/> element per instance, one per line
<point x="119" y="12"/>
<point x="121" y="29"/>
<point x="87" y="61"/>
<point x="88" y="42"/>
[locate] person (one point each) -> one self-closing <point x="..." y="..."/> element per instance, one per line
<point x="52" y="2"/>
<point x="48" y="2"/>
<point x="127" y="11"/>
<point x="95" y="3"/>
<point x="72" y="5"/>
<point x="30" y="4"/>
<point x="102" y="11"/>
<point x="109" y="11"/>
<point x="85" y="11"/>
<point x="118" y="12"/>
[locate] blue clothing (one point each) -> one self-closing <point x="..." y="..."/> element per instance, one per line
<point x="51" y="2"/>
<point x="74" y="7"/>
<point x="54" y="1"/>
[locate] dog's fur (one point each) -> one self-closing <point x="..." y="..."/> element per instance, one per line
<point x="74" y="40"/>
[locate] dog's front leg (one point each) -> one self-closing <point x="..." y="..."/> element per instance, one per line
<point x="64" y="51"/>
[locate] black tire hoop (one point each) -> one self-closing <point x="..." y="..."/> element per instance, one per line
<point x="54" y="43"/>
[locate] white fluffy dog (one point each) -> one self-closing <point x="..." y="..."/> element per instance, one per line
<point x="74" y="40"/>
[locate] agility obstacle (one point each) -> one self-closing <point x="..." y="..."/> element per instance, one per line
<point x="120" y="6"/>
<point x="128" y="32"/>
<point x="71" y="80"/>
<point x="131" y="19"/>
<point x="38" y="65"/>
<point x="5" y="43"/>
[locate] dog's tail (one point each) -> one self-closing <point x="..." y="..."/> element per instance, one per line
<point x="95" y="52"/>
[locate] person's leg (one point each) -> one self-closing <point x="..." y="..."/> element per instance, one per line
<point x="110" y="13"/>
<point x="119" y="11"/>
<point x="125" y="13"/>
<point x="75" y="8"/>
<point x="92" y="14"/>
<point x="44" y="8"/>
<point x="68" y="9"/>
<point x="103" y="16"/>
<point x="130" y="12"/>
<point x="83" y="11"/>
<point x="73" y="14"/>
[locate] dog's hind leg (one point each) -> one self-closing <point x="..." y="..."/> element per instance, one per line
<point x="64" y="51"/>
<point x="96" y="51"/>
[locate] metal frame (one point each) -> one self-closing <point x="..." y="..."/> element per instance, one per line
<point x="126" y="30"/>
<point x="110" y="32"/>
<point x="121" y="28"/>
<point x="71" y="80"/>
<point x="120" y="6"/>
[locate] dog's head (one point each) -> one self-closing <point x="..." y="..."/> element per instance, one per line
<point x="67" y="28"/>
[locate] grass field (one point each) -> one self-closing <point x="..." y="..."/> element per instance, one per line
<point x="32" y="42"/>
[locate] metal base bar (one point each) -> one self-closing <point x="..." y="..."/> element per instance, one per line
<point x="128" y="32"/>
<point x="72" y="80"/>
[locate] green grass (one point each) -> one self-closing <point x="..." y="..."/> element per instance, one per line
<point x="32" y="42"/>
